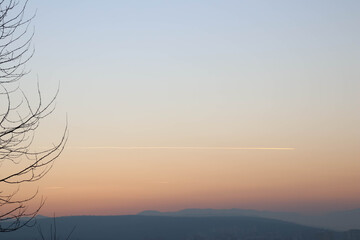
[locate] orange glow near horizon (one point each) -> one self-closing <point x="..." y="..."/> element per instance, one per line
<point x="113" y="181"/>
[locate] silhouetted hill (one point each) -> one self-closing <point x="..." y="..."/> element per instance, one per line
<point x="178" y="228"/>
<point x="340" y="220"/>
<point x="196" y="212"/>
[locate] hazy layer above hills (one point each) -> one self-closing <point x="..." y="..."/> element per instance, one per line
<point x="341" y="220"/>
<point x="176" y="228"/>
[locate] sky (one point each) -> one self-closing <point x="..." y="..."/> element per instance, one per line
<point x="199" y="104"/>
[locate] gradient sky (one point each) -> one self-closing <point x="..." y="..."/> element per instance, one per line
<point x="200" y="77"/>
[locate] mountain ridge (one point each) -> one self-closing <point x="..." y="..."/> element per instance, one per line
<point x="337" y="220"/>
<point x="137" y="227"/>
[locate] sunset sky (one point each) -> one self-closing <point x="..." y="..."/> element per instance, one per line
<point x="199" y="104"/>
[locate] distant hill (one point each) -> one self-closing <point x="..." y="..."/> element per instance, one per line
<point x="198" y="212"/>
<point x="177" y="228"/>
<point x="341" y="220"/>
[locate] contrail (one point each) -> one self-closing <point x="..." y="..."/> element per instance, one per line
<point x="188" y="148"/>
<point x="54" y="188"/>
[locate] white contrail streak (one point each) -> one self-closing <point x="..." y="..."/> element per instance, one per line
<point x="188" y="148"/>
<point x="54" y="188"/>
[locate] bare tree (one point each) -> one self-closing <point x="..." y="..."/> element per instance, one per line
<point x="53" y="231"/>
<point x="19" y="119"/>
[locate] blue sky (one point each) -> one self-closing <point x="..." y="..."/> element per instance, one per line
<point x="187" y="58"/>
<point x="205" y="74"/>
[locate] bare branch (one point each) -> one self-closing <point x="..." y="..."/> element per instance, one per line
<point x="19" y="119"/>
